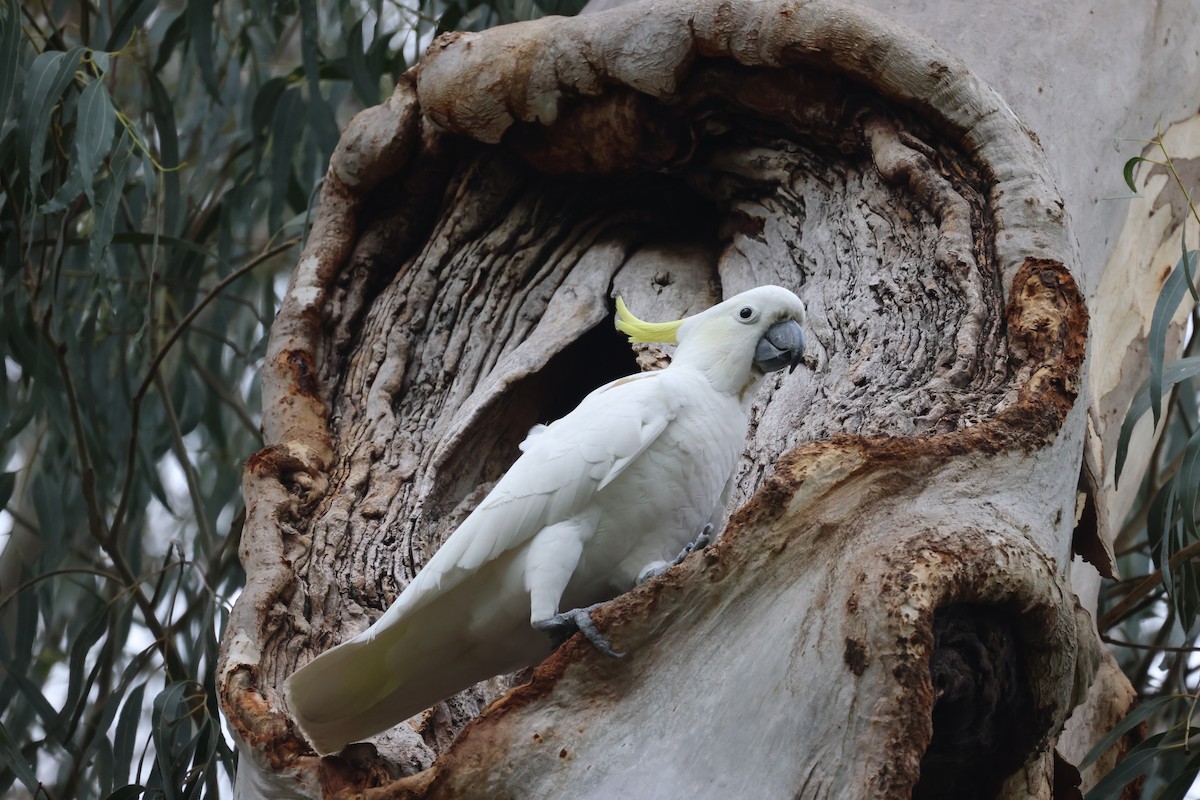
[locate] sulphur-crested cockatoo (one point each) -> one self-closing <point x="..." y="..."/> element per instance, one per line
<point x="598" y="500"/>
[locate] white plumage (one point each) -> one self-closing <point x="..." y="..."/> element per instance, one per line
<point x="618" y="486"/>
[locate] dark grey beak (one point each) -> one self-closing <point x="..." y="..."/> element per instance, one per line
<point x="781" y="346"/>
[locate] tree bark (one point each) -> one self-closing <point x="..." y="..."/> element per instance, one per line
<point x="890" y="612"/>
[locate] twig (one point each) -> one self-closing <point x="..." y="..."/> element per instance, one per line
<point x="96" y="525"/>
<point x="1136" y="646"/>
<point x="1148" y="584"/>
<point x="161" y="353"/>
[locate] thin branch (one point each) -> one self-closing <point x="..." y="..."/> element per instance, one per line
<point x="1148" y="585"/>
<point x="96" y="525"/>
<point x="1155" y="647"/>
<point x="161" y="353"/>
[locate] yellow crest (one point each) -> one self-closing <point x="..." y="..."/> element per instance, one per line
<point x="640" y="331"/>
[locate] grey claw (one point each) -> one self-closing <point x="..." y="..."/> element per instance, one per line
<point x="703" y="539"/>
<point x="560" y="627"/>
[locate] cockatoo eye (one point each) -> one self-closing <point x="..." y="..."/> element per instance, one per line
<point x="747" y="314"/>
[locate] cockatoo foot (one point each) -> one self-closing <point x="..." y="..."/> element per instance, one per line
<point x="703" y="539"/>
<point x="562" y="626"/>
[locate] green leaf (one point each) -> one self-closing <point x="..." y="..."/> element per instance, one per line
<point x="108" y="200"/>
<point x="263" y="109"/>
<point x="150" y="239"/>
<point x="284" y="134"/>
<point x="77" y="661"/>
<point x="1172" y="373"/>
<point x="1159" y="519"/>
<point x="47" y="79"/>
<point x="172" y="732"/>
<point x="1169" y="298"/>
<point x="319" y="118"/>
<point x="1189" y="482"/>
<point x="168" y="148"/>
<point x="1186" y="596"/>
<point x="132" y="14"/>
<point x="175" y="32"/>
<point x="130" y="792"/>
<point x="8" y="481"/>
<point x="1189" y="263"/>
<point x="93" y="133"/>
<point x="10" y="31"/>
<point x="1143" y="712"/>
<point x="200" y="31"/>
<point x="100" y="756"/>
<point x="310" y="52"/>
<point x="112" y="703"/>
<point x="127" y="730"/>
<point x="48" y="508"/>
<point x="1136" y="762"/>
<point x="18" y="763"/>
<point x="31" y="693"/>
<point x="366" y="83"/>
<point x="1129" y="165"/>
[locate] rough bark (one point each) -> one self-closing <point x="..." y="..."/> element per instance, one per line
<point x="896" y="564"/>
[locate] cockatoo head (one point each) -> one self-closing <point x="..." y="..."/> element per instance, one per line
<point x="734" y="343"/>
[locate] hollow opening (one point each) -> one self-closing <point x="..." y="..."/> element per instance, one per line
<point x="983" y="711"/>
<point x="598" y="356"/>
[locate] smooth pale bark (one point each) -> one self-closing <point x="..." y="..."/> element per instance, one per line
<point x="903" y="506"/>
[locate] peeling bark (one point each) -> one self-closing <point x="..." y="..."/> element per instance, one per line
<point x="896" y="562"/>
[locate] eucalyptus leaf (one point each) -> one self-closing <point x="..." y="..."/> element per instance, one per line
<point x="200" y="31"/>
<point x="17" y="762"/>
<point x="1172" y="373"/>
<point x="1128" y="171"/>
<point x="10" y="30"/>
<point x="1128" y="769"/>
<point x="8" y="481"/>
<point x="141" y="173"/>
<point x="1143" y="712"/>
<point x="130" y="792"/>
<point x="126" y="735"/>
<point x="48" y="77"/>
<point x="1169" y="298"/>
<point x="95" y="120"/>
<point x="108" y="200"/>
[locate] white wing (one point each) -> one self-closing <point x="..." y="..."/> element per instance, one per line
<point x="562" y="467"/>
<point x="465" y="617"/>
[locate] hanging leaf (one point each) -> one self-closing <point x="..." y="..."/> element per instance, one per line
<point x="168" y="150"/>
<point x="361" y="76"/>
<point x="127" y="730"/>
<point x="1135" y="763"/>
<point x="1169" y="298"/>
<point x="8" y="481"/>
<point x="1142" y="713"/>
<point x="10" y="30"/>
<point x="1128" y="171"/>
<point x="47" y="79"/>
<point x="1188" y="478"/>
<point x="284" y="134"/>
<point x="93" y="133"/>
<point x="108" y="200"/>
<point x="200" y="30"/>
<point x="1172" y="373"/>
<point x="18" y="763"/>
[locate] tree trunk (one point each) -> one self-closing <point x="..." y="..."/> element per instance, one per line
<point x="890" y="611"/>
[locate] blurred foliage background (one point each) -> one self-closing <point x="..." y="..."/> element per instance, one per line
<point x="1151" y="617"/>
<point x="157" y="163"/>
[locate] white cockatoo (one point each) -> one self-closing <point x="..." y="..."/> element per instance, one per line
<point x="598" y="500"/>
